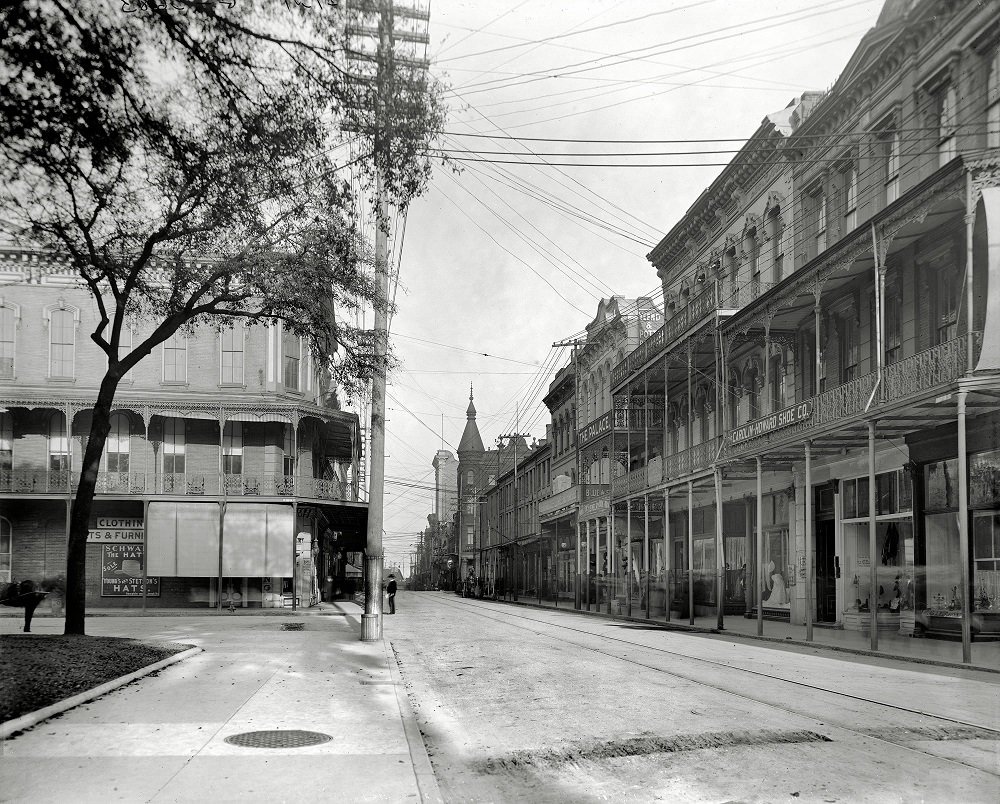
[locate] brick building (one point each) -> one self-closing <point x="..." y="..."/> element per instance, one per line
<point x="229" y="474"/>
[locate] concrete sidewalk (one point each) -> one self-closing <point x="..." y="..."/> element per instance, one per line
<point x="163" y="738"/>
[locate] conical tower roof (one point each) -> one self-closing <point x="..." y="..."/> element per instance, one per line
<point x="471" y="440"/>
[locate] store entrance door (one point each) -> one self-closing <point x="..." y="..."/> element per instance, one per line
<point x="826" y="572"/>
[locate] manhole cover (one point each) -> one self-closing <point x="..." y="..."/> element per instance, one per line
<point x="292" y="626"/>
<point x="278" y="739"/>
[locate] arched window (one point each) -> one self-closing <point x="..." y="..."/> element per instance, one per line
<point x="117" y="447"/>
<point x="673" y="426"/>
<point x="775" y="228"/>
<point x="734" y="393"/>
<point x="751" y="384"/>
<point x="751" y="246"/>
<point x="58" y="444"/>
<point x="703" y="414"/>
<point x="6" y="548"/>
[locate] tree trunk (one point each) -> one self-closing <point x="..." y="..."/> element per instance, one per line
<point x="76" y="549"/>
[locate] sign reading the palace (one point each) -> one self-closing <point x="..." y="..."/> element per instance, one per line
<point x="116" y="530"/>
<point x="776" y="421"/>
<point x="121" y="572"/>
<point x="595" y="429"/>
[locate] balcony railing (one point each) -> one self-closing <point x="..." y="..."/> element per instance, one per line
<point x="29" y="481"/>
<point x="636" y="419"/>
<point x="935" y="366"/>
<point x="700" y="306"/>
<point x="630" y="482"/>
<point x="699" y="457"/>
<point x="737" y="298"/>
<point x="120" y="483"/>
<point x="34" y="481"/>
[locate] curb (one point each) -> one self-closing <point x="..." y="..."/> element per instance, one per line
<point x="34" y="718"/>
<point x="422" y="769"/>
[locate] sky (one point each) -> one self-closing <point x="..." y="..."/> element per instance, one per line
<point x="499" y="260"/>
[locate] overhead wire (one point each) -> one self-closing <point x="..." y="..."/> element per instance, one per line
<point x="621" y="85"/>
<point x="580" y="272"/>
<point x="682" y="43"/>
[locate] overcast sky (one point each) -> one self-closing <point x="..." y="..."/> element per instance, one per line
<point x="505" y="259"/>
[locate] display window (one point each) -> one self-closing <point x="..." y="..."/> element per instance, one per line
<point x="779" y="556"/>
<point x="895" y="576"/>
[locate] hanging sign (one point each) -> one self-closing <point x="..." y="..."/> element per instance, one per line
<point x="776" y="421"/>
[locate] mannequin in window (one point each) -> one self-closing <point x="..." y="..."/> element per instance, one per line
<point x="776" y="585"/>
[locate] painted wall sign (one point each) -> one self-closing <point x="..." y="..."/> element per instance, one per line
<point x="776" y="421"/>
<point x="116" y="530"/>
<point x="595" y="429"/>
<point x="121" y="572"/>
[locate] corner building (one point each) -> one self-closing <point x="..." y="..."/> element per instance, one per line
<point x="229" y="475"/>
<point x="829" y="365"/>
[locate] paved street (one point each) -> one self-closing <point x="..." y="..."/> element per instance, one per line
<point x="523" y="704"/>
<point x="477" y="701"/>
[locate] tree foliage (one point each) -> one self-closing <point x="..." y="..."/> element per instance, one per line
<point x="183" y="156"/>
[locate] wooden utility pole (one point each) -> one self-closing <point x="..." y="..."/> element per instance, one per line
<point x="386" y="85"/>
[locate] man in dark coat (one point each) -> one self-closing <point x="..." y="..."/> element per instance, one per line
<point x="390" y="589"/>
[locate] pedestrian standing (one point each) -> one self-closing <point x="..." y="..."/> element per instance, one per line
<point x="390" y="589"/>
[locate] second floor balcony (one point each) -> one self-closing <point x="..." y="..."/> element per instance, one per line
<point x="18" y="482"/>
<point x="875" y="395"/>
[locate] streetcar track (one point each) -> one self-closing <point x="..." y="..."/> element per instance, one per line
<point x="964" y="730"/>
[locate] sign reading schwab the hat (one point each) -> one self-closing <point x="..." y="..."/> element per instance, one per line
<point x="121" y="572"/>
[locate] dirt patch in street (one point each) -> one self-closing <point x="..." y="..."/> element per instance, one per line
<point x="642" y="746"/>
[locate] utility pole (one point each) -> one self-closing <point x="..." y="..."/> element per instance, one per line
<point x="385" y="83"/>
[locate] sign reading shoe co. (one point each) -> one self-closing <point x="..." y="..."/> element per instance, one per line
<point x="775" y="421"/>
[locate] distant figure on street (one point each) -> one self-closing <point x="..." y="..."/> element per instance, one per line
<point x="390" y="589"/>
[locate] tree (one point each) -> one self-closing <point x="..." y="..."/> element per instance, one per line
<point x="179" y="154"/>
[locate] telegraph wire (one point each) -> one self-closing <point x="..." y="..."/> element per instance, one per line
<point x="574" y="32"/>
<point x="504" y="248"/>
<point x="609" y="206"/>
<point x="564" y="208"/>
<point x="584" y="277"/>
<point x="463" y="349"/>
<point x="739" y="30"/>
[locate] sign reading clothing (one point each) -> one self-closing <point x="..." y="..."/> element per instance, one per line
<point x="776" y="421"/>
<point x="116" y="530"/>
<point x="121" y="572"/>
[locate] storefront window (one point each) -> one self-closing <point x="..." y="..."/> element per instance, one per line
<point x="984" y="479"/>
<point x="779" y="558"/>
<point x="941" y="484"/>
<point x="986" y="562"/>
<point x="943" y="563"/>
